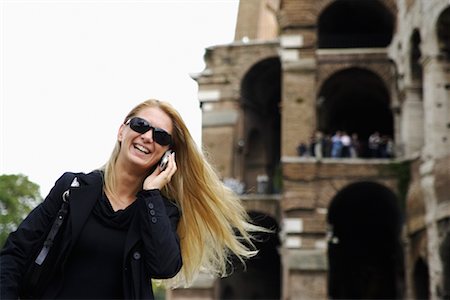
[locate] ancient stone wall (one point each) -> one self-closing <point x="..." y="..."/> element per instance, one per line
<point x="418" y="176"/>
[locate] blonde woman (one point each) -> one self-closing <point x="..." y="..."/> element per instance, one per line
<point x="134" y="220"/>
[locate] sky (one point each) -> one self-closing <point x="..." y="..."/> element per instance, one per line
<point x="72" y="70"/>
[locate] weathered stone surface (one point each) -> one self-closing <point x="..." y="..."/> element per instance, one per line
<point x="307" y="285"/>
<point x="308" y="185"/>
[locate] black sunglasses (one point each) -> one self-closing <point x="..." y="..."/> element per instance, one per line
<point x="141" y="126"/>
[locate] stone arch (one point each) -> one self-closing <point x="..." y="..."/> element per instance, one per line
<point x="245" y="61"/>
<point x="355" y="24"/>
<point x="262" y="276"/>
<point x="382" y="70"/>
<point x="355" y="100"/>
<point x="259" y="98"/>
<point x="364" y="250"/>
<point x="443" y="33"/>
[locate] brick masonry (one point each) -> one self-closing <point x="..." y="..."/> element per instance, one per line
<point x="419" y="178"/>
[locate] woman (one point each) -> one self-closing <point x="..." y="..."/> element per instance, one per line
<point x="134" y="221"/>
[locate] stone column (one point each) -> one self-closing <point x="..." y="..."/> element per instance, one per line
<point x="298" y="93"/>
<point x="431" y="212"/>
<point x="412" y="121"/>
<point x="436" y="108"/>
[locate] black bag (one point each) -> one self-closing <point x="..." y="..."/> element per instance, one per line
<point x="41" y="269"/>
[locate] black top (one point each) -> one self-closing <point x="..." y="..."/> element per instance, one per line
<point x="94" y="268"/>
<point x="151" y="248"/>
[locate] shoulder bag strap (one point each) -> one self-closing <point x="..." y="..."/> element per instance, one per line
<point x="60" y="217"/>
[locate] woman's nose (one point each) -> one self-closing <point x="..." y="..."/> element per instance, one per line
<point x="147" y="136"/>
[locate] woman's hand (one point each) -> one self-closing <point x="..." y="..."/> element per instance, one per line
<point x="158" y="179"/>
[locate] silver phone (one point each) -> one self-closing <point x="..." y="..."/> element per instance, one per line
<point x="165" y="160"/>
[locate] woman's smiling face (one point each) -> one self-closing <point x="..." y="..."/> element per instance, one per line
<point x="141" y="149"/>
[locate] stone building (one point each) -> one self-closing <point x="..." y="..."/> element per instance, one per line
<point x="359" y="226"/>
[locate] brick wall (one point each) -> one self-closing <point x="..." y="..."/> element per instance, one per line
<point x="295" y="13"/>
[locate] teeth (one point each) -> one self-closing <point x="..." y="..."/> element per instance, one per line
<point x="141" y="148"/>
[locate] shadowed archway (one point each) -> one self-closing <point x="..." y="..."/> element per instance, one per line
<point x="355" y="24"/>
<point x="260" y="98"/>
<point x="421" y="279"/>
<point x="261" y="278"/>
<point x="355" y="100"/>
<point x="365" y="256"/>
<point x="443" y="33"/>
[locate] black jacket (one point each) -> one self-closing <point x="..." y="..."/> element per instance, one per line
<point x="152" y="248"/>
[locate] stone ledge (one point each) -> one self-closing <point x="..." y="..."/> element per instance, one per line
<point x="203" y="281"/>
<point x="311" y="260"/>
<point x="260" y="197"/>
<point x="219" y="118"/>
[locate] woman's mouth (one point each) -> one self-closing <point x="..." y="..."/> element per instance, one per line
<point x="141" y="148"/>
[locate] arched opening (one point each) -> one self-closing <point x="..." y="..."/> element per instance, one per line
<point x="443" y="33"/>
<point x="364" y="251"/>
<point x="415" y="56"/>
<point x="355" y="24"/>
<point x="421" y="279"/>
<point x="261" y="278"/>
<point x="443" y="37"/>
<point x="411" y="126"/>
<point x="260" y="98"/>
<point x="356" y="101"/>
<point x="445" y="258"/>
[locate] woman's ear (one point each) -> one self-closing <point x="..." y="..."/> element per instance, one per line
<point x="120" y="133"/>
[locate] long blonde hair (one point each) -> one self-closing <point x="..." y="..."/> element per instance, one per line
<point x="214" y="224"/>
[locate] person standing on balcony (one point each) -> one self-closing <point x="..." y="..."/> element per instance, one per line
<point x="374" y="144"/>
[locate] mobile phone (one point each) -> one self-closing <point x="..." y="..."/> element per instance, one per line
<point x="165" y="160"/>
